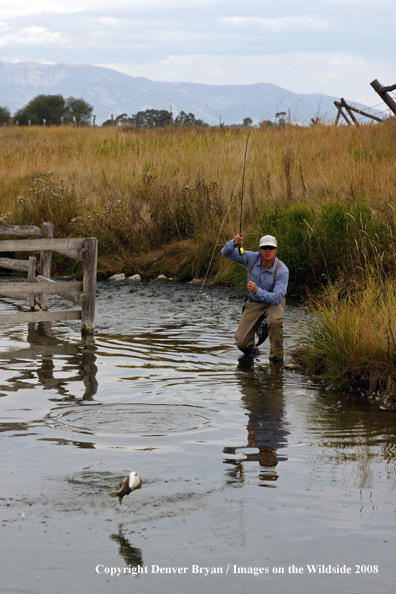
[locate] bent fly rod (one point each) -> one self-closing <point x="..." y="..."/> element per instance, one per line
<point x="228" y="210"/>
<point x="240" y="248"/>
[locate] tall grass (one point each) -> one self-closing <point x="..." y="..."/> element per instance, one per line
<point x="351" y="341"/>
<point x="156" y="200"/>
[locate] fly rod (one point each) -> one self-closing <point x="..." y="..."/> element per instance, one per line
<point x="228" y="210"/>
<point x="240" y="248"/>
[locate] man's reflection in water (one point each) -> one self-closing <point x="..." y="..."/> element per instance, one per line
<point x="262" y="396"/>
<point x="77" y="363"/>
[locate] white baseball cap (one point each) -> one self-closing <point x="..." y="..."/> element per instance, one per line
<point x="268" y="240"/>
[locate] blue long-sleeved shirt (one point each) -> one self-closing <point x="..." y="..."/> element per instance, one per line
<point x="267" y="292"/>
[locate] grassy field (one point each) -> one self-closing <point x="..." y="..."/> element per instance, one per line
<point x="165" y="201"/>
<point x="148" y="193"/>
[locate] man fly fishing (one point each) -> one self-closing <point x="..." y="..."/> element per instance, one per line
<point x="268" y="278"/>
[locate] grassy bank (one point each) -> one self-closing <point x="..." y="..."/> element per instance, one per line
<point x="351" y="341"/>
<point x="165" y="201"/>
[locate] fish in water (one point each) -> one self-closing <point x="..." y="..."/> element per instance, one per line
<point x="129" y="484"/>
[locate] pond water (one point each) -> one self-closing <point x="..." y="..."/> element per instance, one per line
<point x="254" y="478"/>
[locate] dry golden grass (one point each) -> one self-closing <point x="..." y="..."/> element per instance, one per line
<point x="319" y="162"/>
<point x="144" y="189"/>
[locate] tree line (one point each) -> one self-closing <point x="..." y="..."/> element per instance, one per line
<point x="51" y="110"/>
<point x="155" y="118"/>
<point x="54" y="110"/>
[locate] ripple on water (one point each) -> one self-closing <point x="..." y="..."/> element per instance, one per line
<point x="151" y="420"/>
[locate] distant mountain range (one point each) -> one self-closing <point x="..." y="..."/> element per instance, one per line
<point x="110" y="92"/>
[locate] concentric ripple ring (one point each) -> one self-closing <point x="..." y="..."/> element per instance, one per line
<point x="130" y="419"/>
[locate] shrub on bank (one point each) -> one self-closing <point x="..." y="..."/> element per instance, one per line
<point x="320" y="243"/>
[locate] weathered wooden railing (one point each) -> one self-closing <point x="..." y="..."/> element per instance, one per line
<point x="39" y="283"/>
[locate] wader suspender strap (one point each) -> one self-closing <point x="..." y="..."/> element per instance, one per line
<point x="254" y="264"/>
<point x="276" y="270"/>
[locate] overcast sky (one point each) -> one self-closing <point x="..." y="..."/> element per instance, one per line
<point x="336" y="47"/>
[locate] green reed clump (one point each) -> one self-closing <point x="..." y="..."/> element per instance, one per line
<point x="349" y="340"/>
<point x="189" y="259"/>
<point x="321" y="242"/>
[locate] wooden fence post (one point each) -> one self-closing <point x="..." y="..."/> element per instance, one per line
<point x="39" y="286"/>
<point x="350" y="112"/>
<point x="340" y="112"/>
<point x="89" y="286"/>
<point x="31" y="278"/>
<point x="45" y="263"/>
<point x="383" y="93"/>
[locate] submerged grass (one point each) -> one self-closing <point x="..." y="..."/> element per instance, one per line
<point x="165" y="201"/>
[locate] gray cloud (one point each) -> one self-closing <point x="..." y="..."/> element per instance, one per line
<point x="310" y="46"/>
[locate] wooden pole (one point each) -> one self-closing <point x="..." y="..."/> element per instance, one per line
<point x="388" y="89"/>
<point x="363" y="113"/>
<point x="21" y="230"/>
<point x="46" y="286"/>
<point x="89" y="286"/>
<point x="45" y="263"/>
<point x="350" y="112"/>
<point x="339" y="106"/>
<point x="31" y="279"/>
<point x="14" y="264"/>
<point x="38" y="245"/>
<point x="383" y="93"/>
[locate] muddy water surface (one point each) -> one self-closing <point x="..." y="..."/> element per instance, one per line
<point x="254" y="478"/>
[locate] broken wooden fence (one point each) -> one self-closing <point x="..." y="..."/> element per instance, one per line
<point x="382" y="91"/>
<point x="342" y="104"/>
<point x="39" y="283"/>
